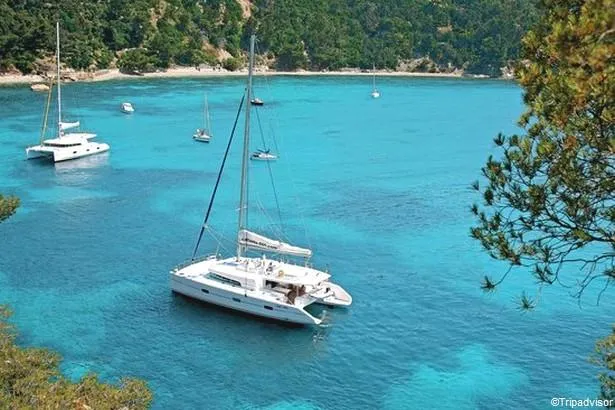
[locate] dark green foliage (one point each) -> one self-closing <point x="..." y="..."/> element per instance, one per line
<point x="92" y="33"/>
<point x="481" y="35"/>
<point x="8" y="206"/>
<point x="605" y="358"/>
<point x="232" y="64"/>
<point x="30" y="379"/>
<point x="137" y="60"/>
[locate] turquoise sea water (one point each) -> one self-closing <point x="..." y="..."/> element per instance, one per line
<point x="378" y="188"/>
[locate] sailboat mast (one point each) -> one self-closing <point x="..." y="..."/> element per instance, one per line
<point x="243" y="195"/>
<point x="59" y="80"/>
<point x="207" y="122"/>
<point x="374" y="75"/>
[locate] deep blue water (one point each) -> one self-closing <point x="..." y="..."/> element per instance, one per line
<point x="378" y="188"/>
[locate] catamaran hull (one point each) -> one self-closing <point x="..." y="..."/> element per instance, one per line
<point x="264" y="158"/>
<point x="65" y="154"/>
<point x="34" y="154"/>
<point x="241" y="301"/>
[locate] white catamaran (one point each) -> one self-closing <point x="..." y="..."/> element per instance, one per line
<point x="69" y="145"/>
<point x="261" y="285"/>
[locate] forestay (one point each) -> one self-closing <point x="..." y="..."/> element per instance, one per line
<point x="255" y="241"/>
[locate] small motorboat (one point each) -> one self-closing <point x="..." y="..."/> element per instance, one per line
<point x="375" y="94"/>
<point x="257" y="101"/>
<point x="127" y="108"/>
<point x="201" y="135"/>
<point x="263" y="155"/>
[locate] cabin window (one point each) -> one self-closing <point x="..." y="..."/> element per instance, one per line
<point x="237" y="300"/>
<point x="51" y="144"/>
<point x="222" y="279"/>
<point x="204" y="291"/>
<point x="268" y="308"/>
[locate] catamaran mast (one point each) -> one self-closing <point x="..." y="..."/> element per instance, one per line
<point x="59" y="80"/>
<point x="243" y="195"/>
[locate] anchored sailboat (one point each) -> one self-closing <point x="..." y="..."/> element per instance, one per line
<point x="375" y="93"/>
<point x="204" y="134"/>
<point x="65" y="146"/>
<point x="264" y="286"/>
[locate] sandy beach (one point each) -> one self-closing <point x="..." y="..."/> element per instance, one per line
<point x="178" y="72"/>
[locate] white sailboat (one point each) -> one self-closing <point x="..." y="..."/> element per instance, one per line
<point x="204" y="134"/>
<point x="261" y="285"/>
<point x="375" y="93"/>
<point x="127" y="108"/>
<point x="69" y="145"/>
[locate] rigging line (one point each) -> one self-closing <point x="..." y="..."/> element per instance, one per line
<point x="299" y="209"/>
<point x="213" y="195"/>
<point x="44" y="126"/>
<point x="217" y="239"/>
<point x="260" y="128"/>
<point x="275" y="193"/>
<point x="269" y="96"/>
<point x="275" y="228"/>
<point x="276" y="123"/>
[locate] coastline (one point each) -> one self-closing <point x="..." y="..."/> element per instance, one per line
<point x="191" y="72"/>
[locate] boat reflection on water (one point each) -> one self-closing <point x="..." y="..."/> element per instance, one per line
<point x="93" y="161"/>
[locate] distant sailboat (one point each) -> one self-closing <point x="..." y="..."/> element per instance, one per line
<point x="375" y="93"/>
<point x="204" y="134"/>
<point x="127" y="108"/>
<point x="66" y="145"/>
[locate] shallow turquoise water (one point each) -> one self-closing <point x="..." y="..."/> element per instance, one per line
<point x="378" y="188"/>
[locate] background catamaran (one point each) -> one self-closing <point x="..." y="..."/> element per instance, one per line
<point x="65" y="146"/>
<point x="263" y="286"/>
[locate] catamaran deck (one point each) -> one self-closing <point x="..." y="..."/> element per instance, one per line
<point x="253" y="268"/>
<point x="248" y="272"/>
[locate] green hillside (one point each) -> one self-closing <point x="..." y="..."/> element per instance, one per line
<point x="479" y="36"/>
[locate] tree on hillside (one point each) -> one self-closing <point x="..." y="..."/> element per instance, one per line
<point x="549" y="200"/>
<point x="8" y="206"/>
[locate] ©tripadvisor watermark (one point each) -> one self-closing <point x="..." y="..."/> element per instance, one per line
<point x="566" y="402"/>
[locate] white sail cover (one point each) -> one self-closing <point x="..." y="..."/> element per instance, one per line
<point x="68" y="125"/>
<point x="255" y="241"/>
